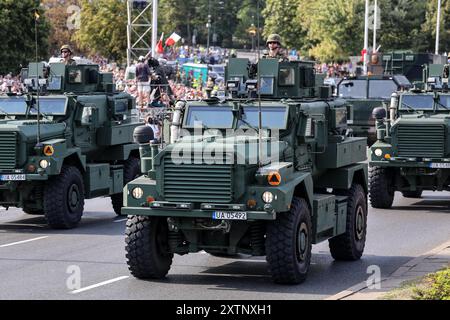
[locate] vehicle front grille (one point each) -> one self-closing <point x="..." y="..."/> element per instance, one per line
<point x="421" y="141"/>
<point x="8" y="143"/>
<point x="211" y="183"/>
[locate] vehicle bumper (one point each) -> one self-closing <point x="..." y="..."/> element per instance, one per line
<point x="197" y="213"/>
<point x="412" y="163"/>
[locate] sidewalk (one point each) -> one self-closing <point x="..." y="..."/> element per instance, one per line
<point x="430" y="262"/>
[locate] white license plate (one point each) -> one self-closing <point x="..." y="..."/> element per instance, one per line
<point x="227" y="215"/>
<point x="440" y="165"/>
<point x="12" y="177"/>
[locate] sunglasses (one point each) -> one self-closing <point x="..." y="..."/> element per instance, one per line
<point x="64" y="51"/>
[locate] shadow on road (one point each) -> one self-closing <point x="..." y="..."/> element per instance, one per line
<point x="326" y="277"/>
<point x="92" y="223"/>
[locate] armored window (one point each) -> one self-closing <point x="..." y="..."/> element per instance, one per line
<point x="266" y="85"/>
<point x="353" y="89"/>
<point x="286" y="76"/>
<point x="209" y="117"/>
<point x="417" y="102"/>
<point x="75" y="76"/>
<point x="381" y="88"/>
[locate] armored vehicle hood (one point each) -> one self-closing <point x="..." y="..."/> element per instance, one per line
<point x="238" y="149"/>
<point x="28" y="129"/>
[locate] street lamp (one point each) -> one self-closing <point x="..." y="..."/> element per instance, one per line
<point x="252" y="31"/>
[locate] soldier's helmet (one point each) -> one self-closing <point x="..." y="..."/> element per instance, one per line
<point x="66" y="47"/>
<point x="274" y="38"/>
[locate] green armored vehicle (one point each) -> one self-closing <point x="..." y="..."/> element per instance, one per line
<point x="71" y="142"/>
<point x="229" y="184"/>
<point x="412" y="152"/>
<point x="364" y="94"/>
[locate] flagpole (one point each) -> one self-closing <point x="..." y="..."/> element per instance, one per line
<point x="366" y="35"/>
<point x="438" y="26"/>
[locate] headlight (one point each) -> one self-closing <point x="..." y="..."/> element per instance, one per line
<point x="44" y="164"/>
<point x="137" y="193"/>
<point x="378" y="152"/>
<point x="267" y="197"/>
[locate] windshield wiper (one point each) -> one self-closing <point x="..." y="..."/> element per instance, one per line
<point x="5" y="113"/>
<point x="248" y="124"/>
<point x="409" y="107"/>
<point x="40" y="112"/>
<point x="441" y="105"/>
<point x="204" y="126"/>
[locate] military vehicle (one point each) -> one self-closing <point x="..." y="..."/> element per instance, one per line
<point x="72" y="141"/>
<point x="407" y="63"/>
<point x="364" y="94"/>
<point x="228" y="184"/>
<point x="411" y="153"/>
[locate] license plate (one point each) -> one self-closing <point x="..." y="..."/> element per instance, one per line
<point x="12" y="177"/>
<point x="440" y="165"/>
<point x="227" y="215"/>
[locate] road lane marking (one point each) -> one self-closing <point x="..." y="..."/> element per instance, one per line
<point x="20" y="242"/>
<point x="23" y="225"/>
<point x="121" y="220"/>
<point x="99" y="284"/>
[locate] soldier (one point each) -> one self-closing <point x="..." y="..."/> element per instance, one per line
<point x="66" y="53"/>
<point x="275" y="51"/>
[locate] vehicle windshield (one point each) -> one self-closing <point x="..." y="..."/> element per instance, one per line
<point x="272" y="117"/>
<point x="209" y="117"/>
<point x="18" y="106"/>
<point x="417" y="102"/>
<point x="353" y="89"/>
<point x="381" y="88"/>
<point x="221" y="117"/>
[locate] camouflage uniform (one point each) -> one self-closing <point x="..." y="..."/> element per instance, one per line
<point x="281" y="56"/>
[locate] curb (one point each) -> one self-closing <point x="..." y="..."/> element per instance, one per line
<point x="403" y="273"/>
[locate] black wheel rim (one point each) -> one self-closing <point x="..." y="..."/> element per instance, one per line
<point x="360" y="223"/>
<point x="73" y="197"/>
<point x="302" y="242"/>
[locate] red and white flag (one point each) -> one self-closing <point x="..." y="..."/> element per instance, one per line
<point x="174" y="38"/>
<point x="159" y="45"/>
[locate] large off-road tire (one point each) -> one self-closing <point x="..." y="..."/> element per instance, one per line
<point x="64" y="199"/>
<point x="131" y="170"/>
<point x="350" y="245"/>
<point x="381" y="188"/>
<point x="412" y="194"/>
<point x="147" y="247"/>
<point x="289" y="243"/>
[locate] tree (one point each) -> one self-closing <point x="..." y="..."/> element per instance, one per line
<point x="103" y="28"/>
<point x="428" y="28"/>
<point x="402" y="21"/>
<point x="281" y="17"/>
<point x="64" y="21"/>
<point x="334" y="28"/>
<point x="17" y="45"/>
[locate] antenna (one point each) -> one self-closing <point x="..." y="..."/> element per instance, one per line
<point x="36" y="18"/>
<point x="258" y="87"/>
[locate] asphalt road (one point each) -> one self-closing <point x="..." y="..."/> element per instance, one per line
<point x="39" y="263"/>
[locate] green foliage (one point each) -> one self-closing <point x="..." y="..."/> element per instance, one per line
<point x="281" y="17"/>
<point x="17" y="45"/>
<point x="103" y="28"/>
<point x="334" y="29"/>
<point x="437" y="287"/>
